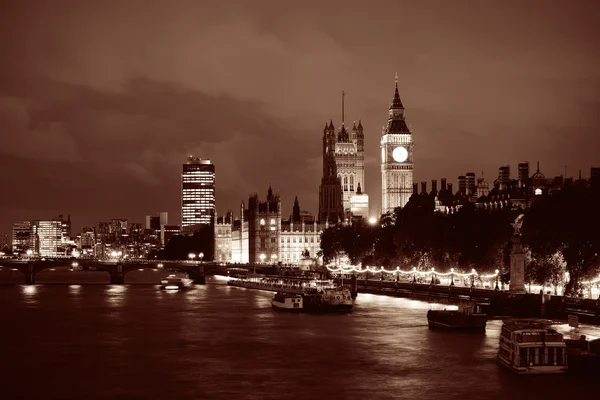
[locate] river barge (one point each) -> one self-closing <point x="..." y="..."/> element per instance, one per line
<point x="532" y="347"/>
<point x="468" y="317"/>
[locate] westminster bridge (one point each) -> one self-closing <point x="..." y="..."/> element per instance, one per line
<point x="116" y="268"/>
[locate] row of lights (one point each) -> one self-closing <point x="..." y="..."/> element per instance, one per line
<point x="200" y="255"/>
<point x="414" y="271"/>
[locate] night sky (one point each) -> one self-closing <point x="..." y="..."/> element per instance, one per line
<point x="101" y="102"/>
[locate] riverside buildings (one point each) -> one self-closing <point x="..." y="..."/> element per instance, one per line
<point x="261" y="235"/>
<point x="43" y="238"/>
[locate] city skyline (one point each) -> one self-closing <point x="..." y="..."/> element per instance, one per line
<point x="108" y="140"/>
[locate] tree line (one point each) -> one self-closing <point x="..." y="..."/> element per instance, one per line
<point x="560" y="233"/>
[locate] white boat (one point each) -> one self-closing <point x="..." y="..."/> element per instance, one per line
<point x="172" y="282"/>
<point x="287" y="301"/>
<point x="532" y="347"/>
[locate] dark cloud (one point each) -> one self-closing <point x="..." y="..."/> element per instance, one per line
<point x="100" y="103"/>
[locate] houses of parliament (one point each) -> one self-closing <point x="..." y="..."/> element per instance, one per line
<point x="260" y="233"/>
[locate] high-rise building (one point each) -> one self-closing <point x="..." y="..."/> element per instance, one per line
<point x="503" y="176"/>
<point x="523" y="174"/>
<point x="471" y="183"/>
<point x="50" y="238"/>
<point x="197" y="193"/>
<point x="397" y="161"/>
<point x="462" y="184"/>
<point x="23" y="237"/>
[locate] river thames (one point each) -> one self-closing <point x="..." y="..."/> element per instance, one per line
<point x="98" y="341"/>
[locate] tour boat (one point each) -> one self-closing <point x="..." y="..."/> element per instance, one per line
<point x="532" y="347"/>
<point x="328" y="299"/>
<point x="467" y="317"/>
<point x="172" y="282"/>
<point x="287" y="301"/>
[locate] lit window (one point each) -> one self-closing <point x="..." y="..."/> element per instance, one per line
<point x="272" y="228"/>
<point x="262" y="222"/>
<point x="272" y="221"/>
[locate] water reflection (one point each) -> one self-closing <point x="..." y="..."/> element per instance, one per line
<point x="116" y="295"/>
<point x="29" y="293"/>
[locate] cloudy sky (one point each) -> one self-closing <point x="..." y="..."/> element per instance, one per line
<point x="102" y="101"/>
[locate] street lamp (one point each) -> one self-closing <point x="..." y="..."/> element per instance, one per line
<point x="201" y="256"/>
<point x="191" y="256"/>
<point x="262" y="258"/>
<point x="29" y="252"/>
<point x="497" y="288"/>
<point x="372" y="220"/>
<point x="451" y="276"/>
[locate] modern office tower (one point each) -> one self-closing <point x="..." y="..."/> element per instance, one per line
<point x="462" y="184"/>
<point x="23" y="237"/>
<point x="397" y="162"/>
<point x="503" y="176"/>
<point x="50" y="238"/>
<point x="470" y="183"/>
<point x="523" y="174"/>
<point x="197" y="193"/>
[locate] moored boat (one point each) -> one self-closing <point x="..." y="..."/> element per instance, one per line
<point x="532" y="347"/>
<point x="287" y="302"/>
<point x="468" y="317"/>
<point x="328" y="300"/>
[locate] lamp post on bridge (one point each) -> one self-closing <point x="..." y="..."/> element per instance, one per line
<point x="201" y="256"/>
<point x="191" y="256"/>
<point x="497" y="288"/>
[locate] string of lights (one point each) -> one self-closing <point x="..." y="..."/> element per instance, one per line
<point x="414" y="271"/>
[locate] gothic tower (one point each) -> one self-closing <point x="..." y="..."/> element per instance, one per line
<point x="396" y="158"/>
<point x="330" y="191"/>
<point x="350" y="159"/>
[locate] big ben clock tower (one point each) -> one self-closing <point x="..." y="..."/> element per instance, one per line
<point x="396" y="158"/>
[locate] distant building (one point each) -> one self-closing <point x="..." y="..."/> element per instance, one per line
<point x="50" y="238"/>
<point x="197" y="193"/>
<point x="23" y="237"/>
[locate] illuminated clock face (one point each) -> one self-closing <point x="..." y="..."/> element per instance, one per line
<point x="400" y="154"/>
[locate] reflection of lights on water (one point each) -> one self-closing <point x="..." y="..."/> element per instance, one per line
<point x="223" y="278"/>
<point x="30" y="289"/>
<point x="74" y="288"/>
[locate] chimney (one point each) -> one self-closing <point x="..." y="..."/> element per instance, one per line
<point x="450" y="188"/>
<point x="434" y="186"/>
<point x="423" y="187"/>
<point x="444" y="184"/>
<point x="415" y="188"/>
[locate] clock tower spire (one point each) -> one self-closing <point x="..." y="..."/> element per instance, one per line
<point x="396" y="157"/>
